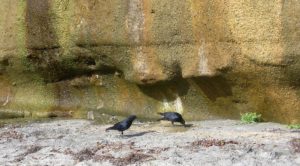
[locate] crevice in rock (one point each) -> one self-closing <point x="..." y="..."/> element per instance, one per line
<point x="166" y="90"/>
<point x="214" y="87"/>
<point x="44" y="48"/>
<point x="3" y="65"/>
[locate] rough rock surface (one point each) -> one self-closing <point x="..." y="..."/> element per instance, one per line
<point x="80" y="142"/>
<point x="214" y="58"/>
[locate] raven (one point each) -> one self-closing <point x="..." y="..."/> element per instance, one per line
<point x="173" y="117"/>
<point x="123" y="125"/>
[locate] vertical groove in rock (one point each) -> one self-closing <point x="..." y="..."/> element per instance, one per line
<point x="146" y="66"/>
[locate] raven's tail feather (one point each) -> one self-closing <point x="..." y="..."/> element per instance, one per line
<point x="161" y="119"/>
<point x="110" y="128"/>
<point x="162" y="114"/>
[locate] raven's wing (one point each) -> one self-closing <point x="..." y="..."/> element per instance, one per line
<point x="172" y="116"/>
<point x="115" y="126"/>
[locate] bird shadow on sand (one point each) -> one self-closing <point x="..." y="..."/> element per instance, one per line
<point x="188" y="125"/>
<point x="137" y="134"/>
<point x="179" y="125"/>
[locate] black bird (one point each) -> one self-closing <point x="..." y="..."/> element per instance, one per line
<point x="173" y="117"/>
<point x="123" y="125"/>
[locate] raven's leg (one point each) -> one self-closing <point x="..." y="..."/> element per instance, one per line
<point x="122" y="132"/>
<point x="173" y="123"/>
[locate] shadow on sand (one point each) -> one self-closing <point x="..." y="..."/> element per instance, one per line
<point x="137" y="134"/>
<point x="188" y="125"/>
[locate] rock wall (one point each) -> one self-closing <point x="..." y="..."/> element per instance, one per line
<point x="206" y="59"/>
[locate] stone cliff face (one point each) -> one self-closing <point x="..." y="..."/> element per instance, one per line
<point x="206" y="59"/>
